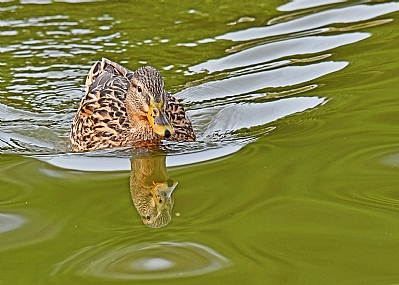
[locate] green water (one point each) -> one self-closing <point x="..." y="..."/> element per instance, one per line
<point x="294" y="178"/>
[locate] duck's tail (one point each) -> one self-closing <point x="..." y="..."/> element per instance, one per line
<point x="106" y="65"/>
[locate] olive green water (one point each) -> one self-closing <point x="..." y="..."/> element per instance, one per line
<point x="295" y="175"/>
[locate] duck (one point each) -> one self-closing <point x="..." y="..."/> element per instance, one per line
<point x="127" y="108"/>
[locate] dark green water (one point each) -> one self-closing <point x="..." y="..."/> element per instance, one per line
<point x="294" y="178"/>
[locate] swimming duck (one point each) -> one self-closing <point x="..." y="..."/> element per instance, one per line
<point x="126" y="108"/>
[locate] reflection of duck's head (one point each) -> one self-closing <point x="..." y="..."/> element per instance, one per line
<point x="156" y="208"/>
<point x="152" y="190"/>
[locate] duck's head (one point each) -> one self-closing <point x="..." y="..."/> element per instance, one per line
<point x="155" y="207"/>
<point x="158" y="212"/>
<point x="146" y="100"/>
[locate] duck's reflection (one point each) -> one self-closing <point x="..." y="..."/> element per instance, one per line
<point x="152" y="190"/>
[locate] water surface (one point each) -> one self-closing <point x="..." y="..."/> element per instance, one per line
<point x="293" y="179"/>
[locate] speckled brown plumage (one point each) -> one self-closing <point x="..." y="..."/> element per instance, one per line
<point x="112" y="113"/>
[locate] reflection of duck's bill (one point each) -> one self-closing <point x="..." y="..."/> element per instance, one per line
<point x="162" y="192"/>
<point x="158" y="121"/>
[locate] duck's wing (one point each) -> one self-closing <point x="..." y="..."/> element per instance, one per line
<point x="105" y="66"/>
<point x="179" y="120"/>
<point x="101" y="119"/>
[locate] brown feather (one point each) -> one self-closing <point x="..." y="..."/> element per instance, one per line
<point x="102" y="120"/>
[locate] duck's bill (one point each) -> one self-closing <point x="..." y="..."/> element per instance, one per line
<point x="162" y="193"/>
<point x="158" y="121"/>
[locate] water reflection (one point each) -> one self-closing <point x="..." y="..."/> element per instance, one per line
<point x="152" y="190"/>
<point x="10" y="222"/>
<point x="311" y="23"/>
<point x="158" y="260"/>
<point x="25" y="227"/>
<point x="279" y="49"/>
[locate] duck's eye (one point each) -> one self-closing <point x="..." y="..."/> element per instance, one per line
<point x="139" y="89"/>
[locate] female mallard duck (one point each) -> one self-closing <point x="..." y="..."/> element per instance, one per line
<point x="124" y="108"/>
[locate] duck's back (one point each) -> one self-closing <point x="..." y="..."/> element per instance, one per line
<point x="101" y="120"/>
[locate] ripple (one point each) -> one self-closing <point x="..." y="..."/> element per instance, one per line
<point x="349" y="14"/>
<point x="24" y="227"/>
<point x="9" y="33"/>
<point x="10" y="222"/>
<point x="144" y="261"/>
<point x="44" y="21"/>
<point x="286" y="76"/>
<point x="44" y="88"/>
<point x="279" y="49"/>
<point x="387" y="198"/>
<point x="247" y="115"/>
<point x="29" y="132"/>
<point x="391" y="160"/>
<point x="105" y="162"/>
<point x="369" y="175"/>
<point x="152" y="264"/>
<point x="303" y="4"/>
